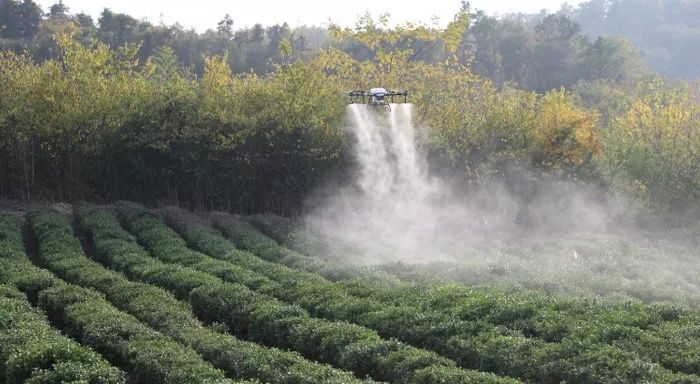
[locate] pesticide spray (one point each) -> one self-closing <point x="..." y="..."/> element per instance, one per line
<point x="394" y="208"/>
<point x="560" y="236"/>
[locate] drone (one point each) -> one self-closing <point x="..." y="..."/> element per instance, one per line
<point x="377" y="98"/>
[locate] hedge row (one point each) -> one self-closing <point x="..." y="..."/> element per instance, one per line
<point x="31" y="351"/>
<point x="147" y="356"/>
<point x="84" y="314"/>
<point x="11" y="238"/>
<point x="268" y="320"/>
<point x="469" y="304"/>
<point x="163" y="312"/>
<point x="250" y="239"/>
<point x="293" y="236"/>
<point x="661" y="333"/>
<point x="361" y="281"/>
<point x="318" y="296"/>
<point x="301" y="249"/>
<point x="538" y="328"/>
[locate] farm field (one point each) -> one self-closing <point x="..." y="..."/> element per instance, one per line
<point x="648" y="267"/>
<point x="223" y="193"/>
<point x="126" y="294"/>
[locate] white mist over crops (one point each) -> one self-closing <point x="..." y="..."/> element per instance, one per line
<point x="394" y="209"/>
<point x="556" y="234"/>
<point x="389" y="210"/>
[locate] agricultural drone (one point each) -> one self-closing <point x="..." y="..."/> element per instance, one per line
<point x="377" y="98"/>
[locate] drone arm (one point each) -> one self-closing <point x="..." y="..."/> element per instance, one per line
<point x="396" y="93"/>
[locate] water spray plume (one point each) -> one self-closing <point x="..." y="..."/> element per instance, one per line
<point x="392" y="208"/>
<point x="525" y="229"/>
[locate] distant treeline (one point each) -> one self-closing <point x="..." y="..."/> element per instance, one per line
<point x="536" y="52"/>
<point x="128" y="110"/>
<point x="25" y="27"/>
<point x="666" y="31"/>
<point x="598" y="39"/>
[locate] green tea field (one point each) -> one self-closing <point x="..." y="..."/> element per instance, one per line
<point x="125" y="294"/>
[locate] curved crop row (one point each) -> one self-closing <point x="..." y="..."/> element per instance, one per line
<point x="270" y="321"/>
<point x="164" y="312"/>
<point x="480" y="337"/>
<point x="33" y="352"/>
<point x="283" y="231"/>
<point x="252" y="240"/>
<point x="305" y="251"/>
<point x="470" y="304"/>
<point x="318" y="296"/>
<point x="531" y="313"/>
<point x="146" y="355"/>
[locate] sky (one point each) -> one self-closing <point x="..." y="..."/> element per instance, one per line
<point x="204" y="14"/>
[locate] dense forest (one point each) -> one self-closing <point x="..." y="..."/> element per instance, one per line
<point x="249" y="119"/>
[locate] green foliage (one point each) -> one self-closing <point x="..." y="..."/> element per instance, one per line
<point x="546" y="52"/>
<point x="328" y="339"/>
<point x="652" y="148"/>
<point x="250" y="142"/>
<point x="660" y="30"/>
<point x="44" y="356"/>
<point x="261" y="317"/>
<point x="19" y="19"/>
<point x="11" y="238"/>
<point x="140" y="121"/>
<point x="32" y="352"/>
<point x="86" y="315"/>
<point x="510" y="334"/>
<point x="533" y="337"/>
<point x="238" y="358"/>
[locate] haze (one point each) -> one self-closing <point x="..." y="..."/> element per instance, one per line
<point x="204" y="14"/>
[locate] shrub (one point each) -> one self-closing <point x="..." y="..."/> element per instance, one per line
<point x="163" y="312"/>
<point x="363" y="356"/>
<point x="449" y="375"/>
<point x="32" y="352"/>
<point x="402" y="364"/>
<point x="326" y="340"/>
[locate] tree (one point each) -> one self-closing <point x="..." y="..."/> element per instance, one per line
<point x="83" y="20"/>
<point x="654" y="146"/>
<point x="516" y="51"/>
<point x="165" y="63"/>
<point x="663" y="30"/>
<point x="116" y="29"/>
<point x="275" y="36"/>
<point x="485" y="34"/>
<point x="58" y="10"/>
<point x="610" y="58"/>
<point x="225" y="27"/>
<point x="554" y="52"/>
<point x="19" y="20"/>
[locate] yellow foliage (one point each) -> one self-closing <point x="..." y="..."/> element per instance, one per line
<point x="564" y="131"/>
<point x="653" y="147"/>
<point x="666" y="123"/>
<point x="452" y="35"/>
<point x="217" y="89"/>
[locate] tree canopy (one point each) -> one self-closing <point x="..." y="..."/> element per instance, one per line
<point x="251" y="120"/>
